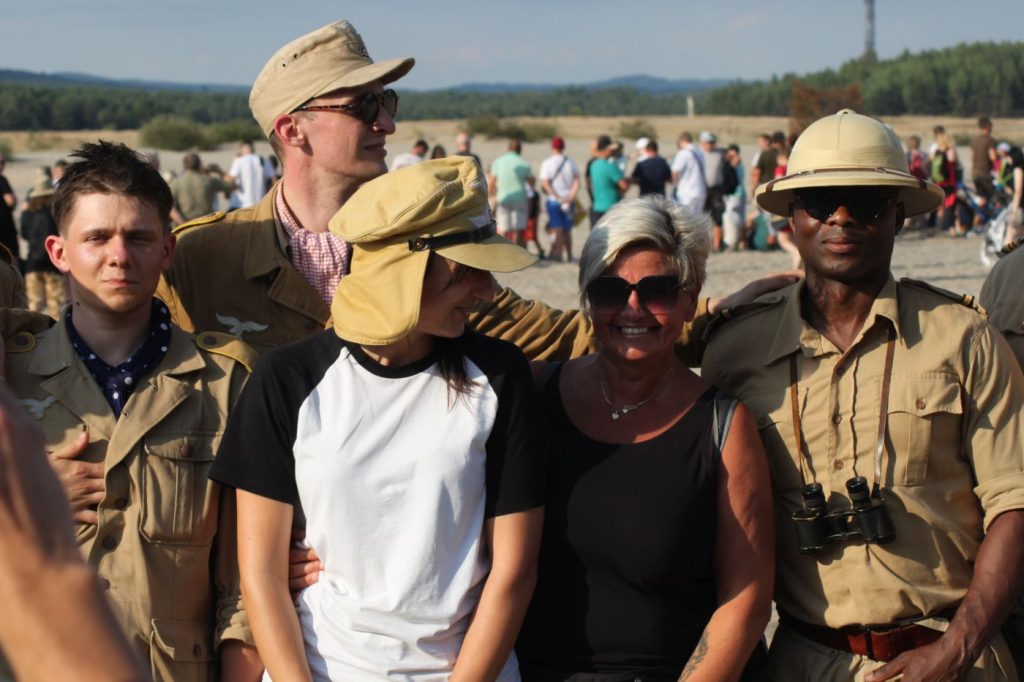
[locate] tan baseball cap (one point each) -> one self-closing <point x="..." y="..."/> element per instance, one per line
<point x="393" y="224"/>
<point x="847" y="149"/>
<point x="42" y="188"/>
<point x="328" y="59"/>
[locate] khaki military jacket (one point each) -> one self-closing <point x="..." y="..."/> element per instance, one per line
<point x="231" y="274"/>
<point x="954" y="444"/>
<point x="165" y="543"/>
<point x="1002" y="296"/>
<point x="12" y="285"/>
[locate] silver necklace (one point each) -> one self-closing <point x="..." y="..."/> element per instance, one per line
<point x="626" y="408"/>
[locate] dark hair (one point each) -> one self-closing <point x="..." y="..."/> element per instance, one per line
<point x="421" y="144"/>
<point x="778" y="137"/>
<point x="190" y="161"/>
<point x="652" y="146"/>
<point x="734" y="148"/>
<point x="984" y="122"/>
<point x="109" y="168"/>
<point x="515" y="146"/>
<point x="438" y="152"/>
<point x="603" y="142"/>
<point x="451" y="360"/>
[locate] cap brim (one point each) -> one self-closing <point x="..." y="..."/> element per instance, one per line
<point x="494" y="254"/>
<point x="917" y="196"/>
<point x="386" y="72"/>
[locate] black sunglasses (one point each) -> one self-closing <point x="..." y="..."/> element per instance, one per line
<point x="366" y="108"/>
<point x="867" y="206"/>
<point x="658" y="293"/>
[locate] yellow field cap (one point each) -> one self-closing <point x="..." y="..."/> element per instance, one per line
<point x="328" y="59"/>
<point x="393" y="223"/>
<point x="848" y="150"/>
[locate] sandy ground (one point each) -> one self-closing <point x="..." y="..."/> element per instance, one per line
<point x="950" y="263"/>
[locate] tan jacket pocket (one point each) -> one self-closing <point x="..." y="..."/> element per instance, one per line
<point x="179" y="502"/>
<point x="923" y="409"/>
<point x="181" y="651"/>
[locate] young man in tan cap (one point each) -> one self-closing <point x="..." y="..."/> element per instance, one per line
<point x="132" y="410"/>
<point x="268" y="274"/>
<point x="893" y="416"/>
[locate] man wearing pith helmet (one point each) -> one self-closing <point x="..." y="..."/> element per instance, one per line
<point x="267" y="274"/>
<point x="893" y="417"/>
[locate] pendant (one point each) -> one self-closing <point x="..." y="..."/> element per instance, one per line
<point x="615" y="415"/>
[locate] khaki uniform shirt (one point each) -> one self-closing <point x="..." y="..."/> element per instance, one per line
<point x="231" y="273"/>
<point x="954" y="446"/>
<point x="194" y="193"/>
<point x="1002" y="296"/>
<point x="165" y="543"/>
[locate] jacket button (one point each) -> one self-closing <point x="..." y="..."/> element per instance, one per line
<point x="920" y="404"/>
<point x="109" y="542"/>
<point x="121" y="503"/>
<point x="196" y="650"/>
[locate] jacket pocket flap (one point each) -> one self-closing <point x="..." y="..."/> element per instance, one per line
<point x="194" y="446"/>
<point x="924" y="394"/>
<point x="184" y="641"/>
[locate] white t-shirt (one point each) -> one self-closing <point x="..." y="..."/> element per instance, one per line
<point x="691" y="189"/>
<point x="560" y="175"/>
<point x="250" y="174"/>
<point x="406" y="159"/>
<point x="396" y="479"/>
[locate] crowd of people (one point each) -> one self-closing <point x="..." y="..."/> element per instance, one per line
<point x="324" y="403"/>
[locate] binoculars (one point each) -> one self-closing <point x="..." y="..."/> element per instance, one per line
<point x="867" y="519"/>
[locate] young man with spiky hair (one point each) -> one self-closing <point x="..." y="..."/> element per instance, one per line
<point x="132" y="409"/>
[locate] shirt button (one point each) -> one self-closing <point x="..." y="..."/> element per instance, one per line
<point x="837" y="465"/>
<point x="128" y="381"/>
<point x="836" y="418"/>
<point x="121" y="503"/>
<point x="920" y="404"/>
<point x="109" y="542"/>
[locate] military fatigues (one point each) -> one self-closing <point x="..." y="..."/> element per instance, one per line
<point x="954" y="459"/>
<point x="231" y="273"/>
<point x="165" y="543"/>
<point x="1003" y="297"/>
<point x="194" y="193"/>
<point x="12" y="286"/>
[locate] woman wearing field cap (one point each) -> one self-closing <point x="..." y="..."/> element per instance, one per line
<point x="408" y="442"/>
<point x="657" y="556"/>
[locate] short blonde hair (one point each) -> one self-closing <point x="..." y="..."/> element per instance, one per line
<point x="681" y="234"/>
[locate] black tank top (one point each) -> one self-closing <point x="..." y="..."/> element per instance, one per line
<point x="626" y="580"/>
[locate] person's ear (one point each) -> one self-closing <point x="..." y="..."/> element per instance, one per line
<point x="288" y="131"/>
<point x="55" y="250"/>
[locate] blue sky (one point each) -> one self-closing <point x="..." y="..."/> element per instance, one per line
<point x="459" y="41"/>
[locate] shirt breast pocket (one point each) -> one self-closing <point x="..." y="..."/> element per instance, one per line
<point x="924" y="409"/>
<point x="179" y="502"/>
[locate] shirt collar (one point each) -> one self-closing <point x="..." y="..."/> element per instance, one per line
<point x="793" y="333"/>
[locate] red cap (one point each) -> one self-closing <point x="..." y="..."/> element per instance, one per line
<point x="557" y="143"/>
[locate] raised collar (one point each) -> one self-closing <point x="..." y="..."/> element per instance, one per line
<point x="264" y="252"/>
<point x="793" y="332"/>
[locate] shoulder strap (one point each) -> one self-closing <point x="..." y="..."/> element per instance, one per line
<point x="724" y="408"/>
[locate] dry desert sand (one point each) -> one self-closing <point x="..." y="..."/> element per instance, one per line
<point x="949" y="263"/>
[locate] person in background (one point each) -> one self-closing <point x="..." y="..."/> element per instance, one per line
<point x="1011" y="171"/>
<point x="194" y="191"/>
<point x="734" y="219"/>
<point x="651" y="172"/>
<point x="714" y="176"/>
<point x="464" y="147"/>
<point x="560" y="179"/>
<point x="249" y="173"/>
<point x="691" y="188"/>
<point x="656" y="560"/>
<point x="983" y="160"/>
<point x="438" y="152"/>
<point x="57" y="171"/>
<point x="607" y="182"/>
<point x="8" y="201"/>
<point x="45" y="286"/>
<point x="506" y="183"/>
<point x="418" y="154"/>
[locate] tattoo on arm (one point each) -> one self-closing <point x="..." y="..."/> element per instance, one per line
<point x="696" y="658"/>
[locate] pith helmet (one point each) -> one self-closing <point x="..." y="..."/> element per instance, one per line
<point x="393" y="223"/>
<point x="848" y="150"/>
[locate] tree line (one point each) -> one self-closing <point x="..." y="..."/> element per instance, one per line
<point x="966" y="80"/>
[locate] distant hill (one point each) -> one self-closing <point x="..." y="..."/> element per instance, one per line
<point x="71" y="79"/>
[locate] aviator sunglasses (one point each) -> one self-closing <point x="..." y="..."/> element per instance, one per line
<point x="366" y="107"/>
<point x="867" y="206"/>
<point x="658" y="294"/>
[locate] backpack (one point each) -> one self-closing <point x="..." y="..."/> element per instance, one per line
<point x="937" y="171"/>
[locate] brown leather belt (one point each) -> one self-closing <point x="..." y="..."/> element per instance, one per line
<point x="879" y="643"/>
